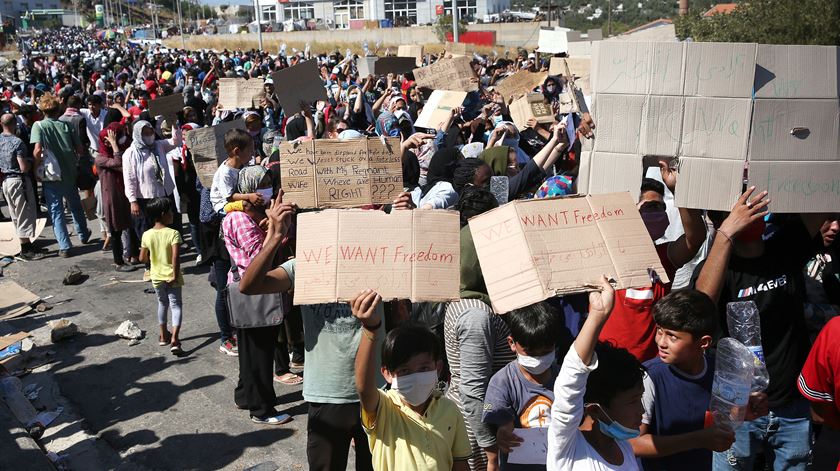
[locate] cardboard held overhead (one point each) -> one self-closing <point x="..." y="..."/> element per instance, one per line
<point x="372" y="65"/>
<point x="530" y="250"/>
<point x="438" y="108"/>
<point x="9" y="240"/>
<point x="16" y="300"/>
<point x="411" y="50"/>
<point x="301" y="83"/>
<point x="721" y="108"/>
<point x="238" y="92"/>
<point x="403" y="255"/>
<point x="167" y="106"/>
<point x="531" y="106"/>
<point x="519" y="84"/>
<point x="553" y="41"/>
<point x="207" y="146"/>
<point x="330" y="173"/>
<point x="579" y="67"/>
<point x="447" y="74"/>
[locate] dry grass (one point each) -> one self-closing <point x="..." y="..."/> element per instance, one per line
<point x="247" y="42"/>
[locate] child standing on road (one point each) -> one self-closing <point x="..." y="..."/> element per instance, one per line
<point x="160" y="246"/>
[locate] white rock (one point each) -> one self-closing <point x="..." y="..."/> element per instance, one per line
<point x="129" y="330"/>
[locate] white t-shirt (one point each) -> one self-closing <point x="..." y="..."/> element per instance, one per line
<point x="567" y="447"/>
<point x="225" y="182"/>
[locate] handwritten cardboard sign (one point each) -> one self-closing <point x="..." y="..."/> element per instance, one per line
<point x="299" y="83"/>
<point x="694" y="101"/>
<point x="167" y="106"/>
<point x="403" y="255"/>
<point x="530" y="106"/>
<point x="411" y="50"/>
<point x="530" y="250"/>
<point x="238" y="92"/>
<point x="438" y="108"/>
<point x="341" y="174"/>
<point x="447" y="74"/>
<point x="519" y="84"/>
<point x="207" y="146"/>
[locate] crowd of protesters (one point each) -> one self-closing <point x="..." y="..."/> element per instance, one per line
<point x="613" y="379"/>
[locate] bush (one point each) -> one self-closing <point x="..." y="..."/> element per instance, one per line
<point x="443" y="25"/>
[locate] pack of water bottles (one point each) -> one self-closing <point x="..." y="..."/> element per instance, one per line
<point x="739" y="365"/>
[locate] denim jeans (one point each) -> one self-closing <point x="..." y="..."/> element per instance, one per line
<point x="55" y="194"/>
<point x="784" y="436"/>
<point x="220" y="270"/>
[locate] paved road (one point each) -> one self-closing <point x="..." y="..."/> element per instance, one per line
<point x="151" y="409"/>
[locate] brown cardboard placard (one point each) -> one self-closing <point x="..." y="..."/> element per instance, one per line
<point x="394" y="65"/>
<point x="238" y="92"/>
<point x="331" y="173"/>
<point x="167" y="106"/>
<point x="207" y="146"/>
<point x="403" y="255"/>
<point x="438" y="107"/>
<point x="411" y="50"/>
<point x="519" y="84"/>
<point x="579" y="67"/>
<point x="447" y="74"/>
<point x="530" y="106"/>
<point x="299" y="83"/>
<point x="9" y="240"/>
<point x="530" y="250"/>
<point x="366" y="66"/>
<point x="16" y="299"/>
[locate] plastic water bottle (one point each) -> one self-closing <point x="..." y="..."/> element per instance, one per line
<point x="731" y="386"/>
<point x="745" y="326"/>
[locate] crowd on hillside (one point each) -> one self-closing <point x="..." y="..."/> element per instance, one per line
<point x="614" y="379"/>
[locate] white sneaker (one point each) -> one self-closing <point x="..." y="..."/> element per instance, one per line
<point x="198" y="260"/>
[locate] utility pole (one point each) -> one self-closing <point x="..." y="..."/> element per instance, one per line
<point x="258" y="16"/>
<point x="181" y="26"/>
<point x="549" y="13"/>
<point x="683" y="7"/>
<point x="455" y="33"/>
<point x="609" y="18"/>
<point x="154" y="20"/>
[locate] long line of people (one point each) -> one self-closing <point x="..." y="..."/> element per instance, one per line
<point x="616" y="379"/>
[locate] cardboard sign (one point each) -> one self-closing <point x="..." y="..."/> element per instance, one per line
<point x="457" y="48"/>
<point x="438" y="108"/>
<point x="579" y="68"/>
<point x="530" y="106"/>
<point x="238" y="92"/>
<point x="403" y="255"/>
<point x="16" y="300"/>
<point x="530" y="250"/>
<point x="411" y="50"/>
<point x="207" y="146"/>
<point x="9" y="240"/>
<point x="519" y="84"/>
<point x="552" y="41"/>
<point x="384" y="65"/>
<point x="695" y="101"/>
<point x="330" y="173"/>
<point x="447" y="74"/>
<point x="299" y="83"/>
<point x="167" y="106"/>
<point x="366" y="66"/>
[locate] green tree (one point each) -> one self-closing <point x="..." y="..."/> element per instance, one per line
<point x="810" y="22"/>
<point x="443" y="25"/>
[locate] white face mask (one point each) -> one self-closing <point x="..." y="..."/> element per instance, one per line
<point x="148" y="140"/>
<point x="416" y="387"/>
<point x="536" y="365"/>
<point x="266" y="194"/>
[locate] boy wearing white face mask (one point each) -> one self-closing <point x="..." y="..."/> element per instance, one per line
<point x="519" y="395"/>
<point x="411" y="426"/>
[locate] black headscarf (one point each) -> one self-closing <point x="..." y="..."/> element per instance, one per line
<point x="441" y="168"/>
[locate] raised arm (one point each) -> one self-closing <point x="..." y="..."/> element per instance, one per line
<point x="261" y="277"/>
<point x="363" y="306"/>
<point x="682" y="250"/>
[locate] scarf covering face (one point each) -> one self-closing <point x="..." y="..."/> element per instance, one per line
<point x="513" y="142"/>
<point x="104" y="145"/>
<point x="497" y="159"/>
<point x="441" y="168"/>
<point x="137" y="137"/>
<point x="472" y="280"/>
<point x="250" y="178"/>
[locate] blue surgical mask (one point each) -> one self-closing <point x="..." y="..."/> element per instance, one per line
<point x="615" y="430"/>
<point x="497" y="119"/>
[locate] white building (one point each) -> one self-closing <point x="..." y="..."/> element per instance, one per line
<point x="400" y="12"/>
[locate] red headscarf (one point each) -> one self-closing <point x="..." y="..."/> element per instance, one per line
<point x="119" y="130"/>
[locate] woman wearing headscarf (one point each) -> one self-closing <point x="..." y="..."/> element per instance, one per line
<point x="437" y="191"/>
<point x="113" y="142"/>
<point x="244" y="236"/>
<point x="476" y="345"/>
<point x="146" y="172"/>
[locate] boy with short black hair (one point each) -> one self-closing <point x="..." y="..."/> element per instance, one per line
<point x="411" y="426"/>
<point x="239" y="146"/>
<point x="519" y="395"/>
<point x="678" y="387"/>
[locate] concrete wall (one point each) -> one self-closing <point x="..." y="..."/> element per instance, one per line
<point x="507" y="34"/>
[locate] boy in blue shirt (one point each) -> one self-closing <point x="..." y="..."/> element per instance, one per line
<point x="678" y="387"/>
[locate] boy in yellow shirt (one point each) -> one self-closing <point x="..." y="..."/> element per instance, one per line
<point x="411" y="426"/>
<point x="160" y="246"/>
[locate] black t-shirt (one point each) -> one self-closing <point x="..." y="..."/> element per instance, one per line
<point x="776" y="283"/>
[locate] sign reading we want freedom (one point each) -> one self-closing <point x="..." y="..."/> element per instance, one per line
<point x="531" y="250"/>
